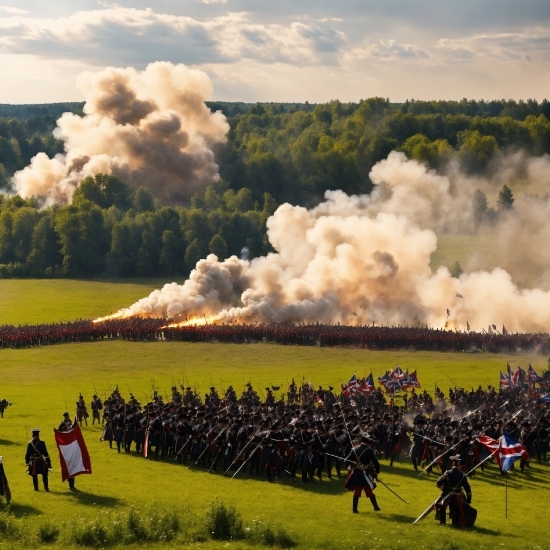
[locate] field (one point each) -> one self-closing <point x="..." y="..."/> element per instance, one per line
<point x="43" y="382"/>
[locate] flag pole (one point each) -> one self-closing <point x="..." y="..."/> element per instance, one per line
<point x="506" y="475"/>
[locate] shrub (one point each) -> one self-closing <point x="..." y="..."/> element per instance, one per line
<point x="223" y="522"/>
<point x="93" y="533"/>
<point x="8" y="527"/>
<point x="159" y="526"/>
<point x="135" y="525"/>
<point x="48" y="532"/>
<point x="271" y="535"/>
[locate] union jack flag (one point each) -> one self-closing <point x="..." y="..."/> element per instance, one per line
<point x="352" y="386"/>
<point x="506" y="450"/>
<point x="367" y="385"/>
<point x="504" y="381"/>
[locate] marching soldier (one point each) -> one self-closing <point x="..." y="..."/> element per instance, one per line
<point x="81" y="410"/>
<point x="66" y="425"/>
<point x="363" y="473"/>
<point x="38" y="460"/>
<point x="4" y="404"/>
<point x="452" y="483"/>
<point x="96" y="405"/>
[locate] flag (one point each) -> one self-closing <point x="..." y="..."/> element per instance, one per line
<point x="509" y="375"/>
<point x="384" y="379"/>
<point x="518" y="378"/>
<point x="458" y="295"/>
<point x="397" y="373"/>
<point x="504" y="381"/>
<point x="504" y="331"/>
<point x="351" y="387"/>
<point x="509" y="451"/>
<point x="534" y="377"/>
<point x="73" y="454"/>
<point x="367" y="385"/>
<point x="506" y="450"/>
<point x="544" y="399"/>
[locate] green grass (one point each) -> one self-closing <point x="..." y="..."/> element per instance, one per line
<point x="41" y="381"/>
<point x="31" y="301"/>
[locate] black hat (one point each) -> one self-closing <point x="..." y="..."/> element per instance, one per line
<point x="35" y="431"/>
<point x="65" y="414"/>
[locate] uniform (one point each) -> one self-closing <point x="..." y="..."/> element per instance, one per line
<point x="362" y="475"/>
<point x="452" y="483"/>
<point x="38" y="460"/>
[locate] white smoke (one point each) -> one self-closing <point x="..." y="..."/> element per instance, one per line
<point x="149" y="127"/>
<point x="357" y="259"/>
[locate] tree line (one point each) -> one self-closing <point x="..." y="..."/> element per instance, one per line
<point x="111" y="230"/>
<point x="275" y="153"/>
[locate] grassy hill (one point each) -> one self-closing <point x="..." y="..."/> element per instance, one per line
<point x="43" y="382"/>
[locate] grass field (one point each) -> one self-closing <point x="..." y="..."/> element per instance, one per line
<point x="30" y="301"/>
<point x="41" y="381"/>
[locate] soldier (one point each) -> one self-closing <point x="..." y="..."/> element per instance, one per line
<point x="4" y="487"/>
<point x="4" y="404"/>
<point x="66" y="425"/>
<point x="81" y="410"/>
<point x="96" y="405"/>
<point x="363" y="472"/>
<point x="452" y="483"/>
<point x="38" y="459"/>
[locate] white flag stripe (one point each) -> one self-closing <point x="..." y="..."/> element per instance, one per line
<point x="73" y="457"/>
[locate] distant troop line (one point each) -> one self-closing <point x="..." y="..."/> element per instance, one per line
<point x="369" y="337"/>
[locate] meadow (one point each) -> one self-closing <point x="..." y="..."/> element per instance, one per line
<point x="43" y="382"/>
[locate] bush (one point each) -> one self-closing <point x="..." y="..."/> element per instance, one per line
<point x="8" y="527"/>
<point x="93" y="533"/>
<point x="159" y="526"/>
<point x="48" y="532"/>
<point x="271" y="535"/>
<point x="223" y="522"/>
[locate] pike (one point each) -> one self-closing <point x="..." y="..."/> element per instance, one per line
<point x="439" y="456"/>
<point x="431" y="507"/>
<point x="249" y="457"/>
<point x="206" y="449"/>
<point x="242" y="450"/>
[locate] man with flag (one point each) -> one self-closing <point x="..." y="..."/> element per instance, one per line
<point x="73" y="454"/>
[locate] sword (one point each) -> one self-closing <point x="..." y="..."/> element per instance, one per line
<point x="430" y="508"/>
<point x="391" y="490"/>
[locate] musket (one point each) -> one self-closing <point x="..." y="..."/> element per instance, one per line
<point x="95" y="390"/>
<point x="431" y="507"/>
<point x="206" y="449"/>
<point x="242" y="450"/>
<point x="249" y="457"/>
<point x="439" y="456"/>
<point x="391" y="490"/>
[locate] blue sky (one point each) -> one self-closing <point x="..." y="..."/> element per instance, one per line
<point x="286" y="50"/>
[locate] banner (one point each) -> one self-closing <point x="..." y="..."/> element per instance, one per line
<point x="73" y="454"/>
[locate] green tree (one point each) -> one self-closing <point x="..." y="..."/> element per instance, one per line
<point x="193" y="254"/>
<point x="456" y="270"/>
<point x="44" y="257"/>
<point x="143" y="200"/>
<point x="218" y="246"/>
<point x="476" y="150"/>
<point x="171" y="253"/>
<point x="479" y="202"/>
<point x="505" y="198"/>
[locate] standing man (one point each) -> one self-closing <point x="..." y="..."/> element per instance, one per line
<point x="38" y="459"/>
<point x="363" y="473"/>
<point x="96" y="405"/>
<point x="452" y="483"/>
<point x="4" y="487"/>
<point x="65" y="426"/>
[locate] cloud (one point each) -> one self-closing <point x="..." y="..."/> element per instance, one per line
<point x="386" y="50"/>
<point x="511" y="45"/>
<point x="127" y="35"/>
<point x="13" y="11"/>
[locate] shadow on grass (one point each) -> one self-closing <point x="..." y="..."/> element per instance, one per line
<point x="20" y="510"/>
<point x="9" y="443"/>
<point x="91" y="499"/>
<point x="399" y="518"/>
<point x="492" y="532"/>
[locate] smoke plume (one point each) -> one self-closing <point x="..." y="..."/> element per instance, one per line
<point x="149" y="127"/>
<point x="359" y="260"/>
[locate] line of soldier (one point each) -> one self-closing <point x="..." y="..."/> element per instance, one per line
<point x="315" y="334"/>
<point x="272" y="436"/>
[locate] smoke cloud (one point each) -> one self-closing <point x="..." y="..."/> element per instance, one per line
<point x="149" y="127"/>
<point x="361" y="259"/>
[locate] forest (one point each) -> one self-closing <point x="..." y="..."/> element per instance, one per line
<point x="275" y="153"/>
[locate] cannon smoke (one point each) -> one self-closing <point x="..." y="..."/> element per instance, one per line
<point x="149" y="127"/>
<point x="365" y="259"/>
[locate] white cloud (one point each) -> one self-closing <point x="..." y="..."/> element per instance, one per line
<point x="511" y="45"/>
<point x="126" y="35"/>
<point x="386" y="50"/>
<point x="13" y="11"/>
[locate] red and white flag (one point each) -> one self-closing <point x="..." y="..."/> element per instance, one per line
<point x="73" y="454"/>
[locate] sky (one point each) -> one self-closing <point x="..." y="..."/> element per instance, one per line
<point x="284" y="51"/>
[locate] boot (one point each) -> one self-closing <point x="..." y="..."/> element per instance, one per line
<point x="443" y="517"/>
<point x="269" y="478"/>
<point x="46" y="486"/>
<point x="414" y="464"/>
<point x="35" y="482"/>
<point x="71" y="484"/>
<point x="355" y="504"/>
<point x="375" y="504"/>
